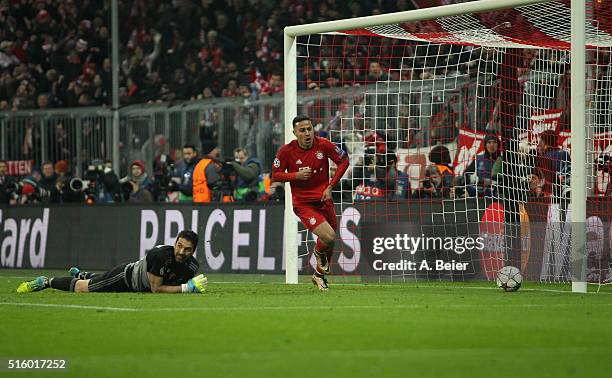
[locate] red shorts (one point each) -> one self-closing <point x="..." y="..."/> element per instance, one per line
<point x="312" y="214"/>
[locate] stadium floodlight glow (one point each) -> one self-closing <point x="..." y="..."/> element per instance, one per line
<point x="492" y="65"/>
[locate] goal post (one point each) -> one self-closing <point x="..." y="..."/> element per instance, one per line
<point x="400" y="107"/>
<point x="578" y="140"/>
<point x="290" y="108"/>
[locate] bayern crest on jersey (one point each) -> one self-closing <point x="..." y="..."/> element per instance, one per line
<point x="276" y="163"/>
<point x="312" y="220"/>
<point x="319" y="155"/>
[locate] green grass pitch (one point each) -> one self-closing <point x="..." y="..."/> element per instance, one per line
<point x="268" y="329"/>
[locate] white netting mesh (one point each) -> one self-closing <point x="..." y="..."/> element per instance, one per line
<point x="414" y="104"/>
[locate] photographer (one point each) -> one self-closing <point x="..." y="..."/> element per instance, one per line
<point x="108" y="188"/>
<point x="30" y="192"/>
<point x="183" y="170"/>
<point x="100" y="184"/>
<point x="210" y="181"/>
<point x="49" y="177"/>
<point x="8" y="185"/>
<point x="248" y="171"/>
<point x="136" y="187"/>
<point x="435" y="184"/>
<point x="379" y="178"/>
<point x="162" y="183"/>
<point x="440" y="156"/>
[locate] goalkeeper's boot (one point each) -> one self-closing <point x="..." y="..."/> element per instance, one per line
<point x="322" y="261"/>
<point x="40" y="283"/>
<point x="320" y="282"/>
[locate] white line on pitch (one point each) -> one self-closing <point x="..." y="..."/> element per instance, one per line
<point x="294" y="308"/>
<point x="365" y="307"/>
<point x="80" y="307"/>
<point x="19" y="277"/>
<point x="409" y="285"/>
<point x="426" y="285"/>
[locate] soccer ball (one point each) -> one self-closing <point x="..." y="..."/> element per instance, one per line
<point x="509" y="278"/>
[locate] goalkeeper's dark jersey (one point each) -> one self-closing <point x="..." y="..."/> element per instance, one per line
<point x="160" y="262"/>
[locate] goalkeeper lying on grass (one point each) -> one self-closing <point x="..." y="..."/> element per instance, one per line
<point x="165" y="269"/>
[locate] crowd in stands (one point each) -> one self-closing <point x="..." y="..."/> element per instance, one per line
<point x="196" y="177"/>
<point x="56" y="53"/>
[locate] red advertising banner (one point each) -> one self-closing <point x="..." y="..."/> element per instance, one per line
<point x="19" y="167"/>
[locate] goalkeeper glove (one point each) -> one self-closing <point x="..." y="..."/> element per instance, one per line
<point x="195" y="285"/>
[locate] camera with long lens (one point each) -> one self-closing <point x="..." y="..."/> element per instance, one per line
<point x="126" y="189"/>
<point x="223" y="188"/>
<point x="87" y="185"/>
<point x="78" y="185"/>
<point x="27" y="187"/>
<point x="162" y="182"/>
<point x="11" y="187"/>
<point x="227" y="169"/>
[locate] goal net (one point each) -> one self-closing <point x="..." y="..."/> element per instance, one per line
<point x="458" y="131"/>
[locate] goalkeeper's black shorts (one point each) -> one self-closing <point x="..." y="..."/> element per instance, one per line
<point x="112" y="281"/>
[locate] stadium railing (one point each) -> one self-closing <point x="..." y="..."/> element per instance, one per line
<point x="81" y="135"/>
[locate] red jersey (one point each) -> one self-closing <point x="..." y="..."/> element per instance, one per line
<point x="292" y="158"/>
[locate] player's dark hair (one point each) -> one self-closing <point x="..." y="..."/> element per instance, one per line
<point x="190" y="145"/>
<point x="300" y="118"/>
<point x="190" y="236"/>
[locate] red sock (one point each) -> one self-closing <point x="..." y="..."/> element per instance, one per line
<point x="323" y="248"/>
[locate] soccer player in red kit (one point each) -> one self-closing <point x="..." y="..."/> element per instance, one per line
<point x="304" y="164"/>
